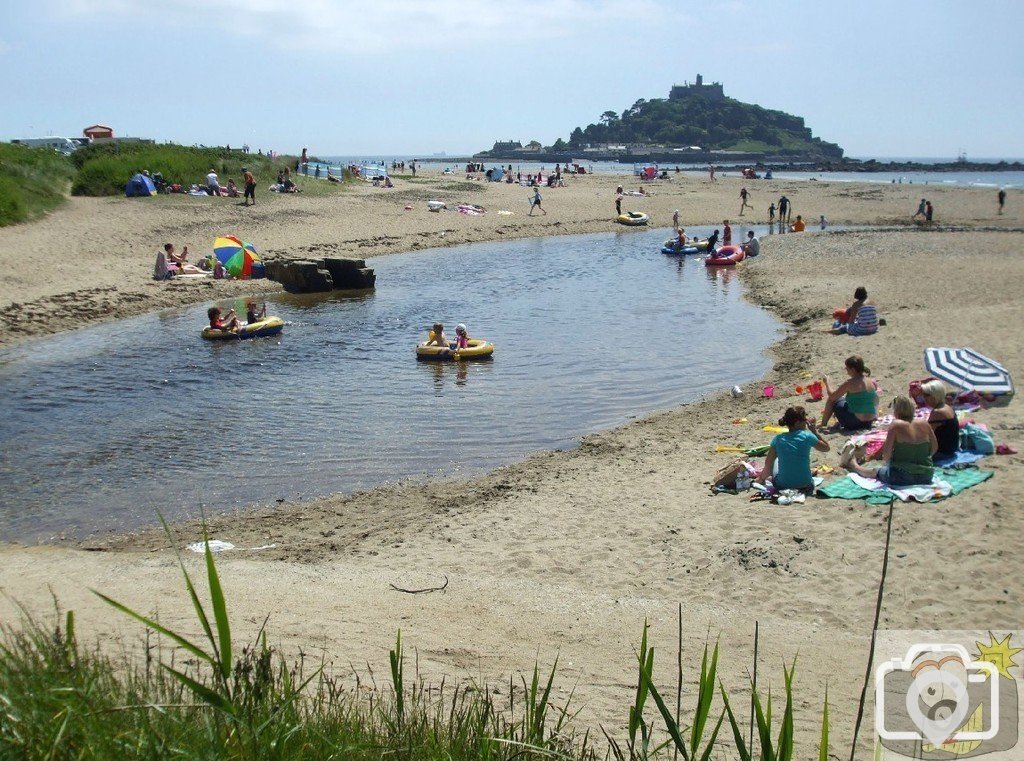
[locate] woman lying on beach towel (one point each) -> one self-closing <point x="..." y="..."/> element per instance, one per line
<point x="907" y="452"/>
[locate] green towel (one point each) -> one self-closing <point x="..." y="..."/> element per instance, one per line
<point x="958" y="480"/>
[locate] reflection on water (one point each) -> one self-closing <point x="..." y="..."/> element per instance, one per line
<point x="103" y="426"/>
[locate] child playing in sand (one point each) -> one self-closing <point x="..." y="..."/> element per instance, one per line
<point x="227" y="322"/>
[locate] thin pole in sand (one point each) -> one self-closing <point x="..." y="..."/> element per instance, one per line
<point x="753" y="691"/>
<point x="679" y="675"/>
<point x="874" y="632"/>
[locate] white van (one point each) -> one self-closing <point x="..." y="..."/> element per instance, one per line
<point x="64" y="145"/>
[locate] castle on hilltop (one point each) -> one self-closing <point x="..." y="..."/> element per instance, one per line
<point x="712" y="92"/>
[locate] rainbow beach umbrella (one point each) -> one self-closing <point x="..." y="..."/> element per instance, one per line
<point x="236" y="256"/>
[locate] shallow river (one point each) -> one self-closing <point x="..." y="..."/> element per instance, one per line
<point x="103" y="426"/>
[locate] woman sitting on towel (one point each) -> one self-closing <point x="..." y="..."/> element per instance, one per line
<point x="942" y="418"/>
<point x="855" y="402"/>
<point x="907" y="451"/>
<point x="791" y="452"/>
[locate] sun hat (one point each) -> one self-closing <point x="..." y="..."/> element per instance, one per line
<point x="460" y="328"/>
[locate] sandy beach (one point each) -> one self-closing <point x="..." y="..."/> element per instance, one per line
<point x="565" y="554"/>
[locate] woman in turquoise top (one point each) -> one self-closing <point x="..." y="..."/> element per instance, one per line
<point x="855" y="403"/>
<point x="792" y="452"/>
<point x="907" y="452"/>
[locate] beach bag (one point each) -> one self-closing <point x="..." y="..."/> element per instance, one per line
<point x="727" y="475"/>
<point x="976" y="439"/>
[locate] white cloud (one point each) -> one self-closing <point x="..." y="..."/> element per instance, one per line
<point x="365" y="26"/>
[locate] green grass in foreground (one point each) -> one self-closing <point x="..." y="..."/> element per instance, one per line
<point x="60" y="700"/>
<point x="33" y="181"/>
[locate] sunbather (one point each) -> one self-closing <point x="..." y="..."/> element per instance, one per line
<point x="859" y="319"/>
<point x="907" y="452"/>
<point x="855" y="402"/>
<point x="942" y="418"/>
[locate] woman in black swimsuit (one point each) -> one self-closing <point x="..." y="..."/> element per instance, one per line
<point x="942" y="418"/>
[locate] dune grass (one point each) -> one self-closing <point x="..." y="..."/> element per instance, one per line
<point x="105" y="168"/>
<point x="33" y="181"/>
<point x="61" y="700"/>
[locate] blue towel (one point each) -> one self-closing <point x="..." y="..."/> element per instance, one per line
<point x="959" y="459"/>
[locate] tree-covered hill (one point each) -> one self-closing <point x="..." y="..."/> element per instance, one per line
<point x="711" y="123"/>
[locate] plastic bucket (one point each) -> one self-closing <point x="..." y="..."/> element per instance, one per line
<point x="816" y="390"/>
<point x="768" y="391"/>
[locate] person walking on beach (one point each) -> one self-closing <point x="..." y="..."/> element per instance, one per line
<point x="1002" y="199"/>
<point x="928" y="211"/>
<point x="675" y="219"/>
<point x="618" y="201"/>
<point x="250" y="187"/>
<point x="743" y="200"/>
<point x="771" y="215"/>
<point x="920" y="210"/>
<point x="823" y="222"/>
<point x="535" y="202"/>
<point x="711" y="171"/>
<point x="784" y="210"/>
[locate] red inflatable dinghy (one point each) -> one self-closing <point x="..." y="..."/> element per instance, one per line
<point x="726" y="256"/>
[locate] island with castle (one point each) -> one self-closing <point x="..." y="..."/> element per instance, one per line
<point x="697" y="122"/>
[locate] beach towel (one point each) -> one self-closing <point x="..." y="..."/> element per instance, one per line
<point x="956" y="480"/>
<point x="959" y="459"/>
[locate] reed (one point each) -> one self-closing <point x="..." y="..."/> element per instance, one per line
<point x="59" y="699"/>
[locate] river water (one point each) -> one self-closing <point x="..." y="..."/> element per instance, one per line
<point x="103" y="426"/>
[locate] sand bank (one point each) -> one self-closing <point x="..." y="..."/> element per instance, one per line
<point x="566" y="553"/>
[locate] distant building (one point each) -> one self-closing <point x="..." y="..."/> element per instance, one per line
<point x="504" y="146"/>
<point x="533" y="147"/>
<point x="99" y="132"/>
<point x="712" y="92"/>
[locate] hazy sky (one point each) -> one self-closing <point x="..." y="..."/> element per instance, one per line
<point x="392" y="77"/>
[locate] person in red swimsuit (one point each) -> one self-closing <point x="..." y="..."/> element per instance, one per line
<point x="217" y="322"/>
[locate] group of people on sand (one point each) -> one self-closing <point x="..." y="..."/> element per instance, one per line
<point x="905" y="458"/>
<point x="213" y="186"/>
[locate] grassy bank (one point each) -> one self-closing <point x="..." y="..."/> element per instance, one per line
<point x="61" y="700"/>
<point x="33" y="181"/>
<point x="105" y="168"/>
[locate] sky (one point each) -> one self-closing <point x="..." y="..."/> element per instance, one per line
<point x="418" y="77"/>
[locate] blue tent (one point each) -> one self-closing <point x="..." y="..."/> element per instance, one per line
<point x="140" y="185"/>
